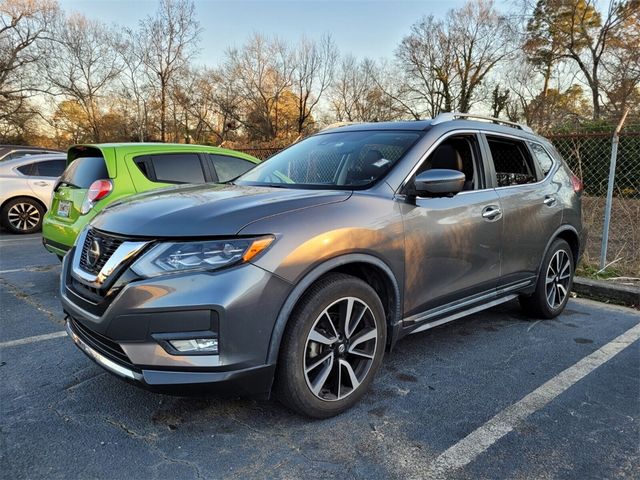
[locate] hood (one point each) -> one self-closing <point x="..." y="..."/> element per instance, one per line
<point x="205" y="210"/>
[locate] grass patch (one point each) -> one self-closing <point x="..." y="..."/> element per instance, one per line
<point x="592" y="271"/>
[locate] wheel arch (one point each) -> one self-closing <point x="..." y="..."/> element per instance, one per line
<point x="30" y="197"/>
<point x="570" y="235"/>
<point x="366" y="267"/>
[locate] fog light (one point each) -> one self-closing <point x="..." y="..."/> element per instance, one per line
<point x="193" y="345"/>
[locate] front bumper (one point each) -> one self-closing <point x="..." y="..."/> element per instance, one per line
<point x="254" y="381"/>
<point x="240" y="305"/>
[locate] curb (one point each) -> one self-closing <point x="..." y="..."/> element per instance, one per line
<point x="601" y="290"/>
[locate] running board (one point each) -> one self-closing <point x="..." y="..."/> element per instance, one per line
<point x="455" y="316"/>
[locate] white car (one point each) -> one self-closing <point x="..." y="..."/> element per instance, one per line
<point x="26" y="185"/>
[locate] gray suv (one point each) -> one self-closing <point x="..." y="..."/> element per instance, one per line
<point x="300" y="274"/>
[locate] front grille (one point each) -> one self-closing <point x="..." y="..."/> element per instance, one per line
<point x="100" y="343"/>
<point x="108" y="245"/>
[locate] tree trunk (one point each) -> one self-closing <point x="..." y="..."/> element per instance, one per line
<point x="595" y="95"/>
<point x="163" y="110"/>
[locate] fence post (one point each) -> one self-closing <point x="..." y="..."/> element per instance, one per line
<point x="612" y="177"/>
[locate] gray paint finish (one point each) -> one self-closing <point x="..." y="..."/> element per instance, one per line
<point x="442" y="255"/>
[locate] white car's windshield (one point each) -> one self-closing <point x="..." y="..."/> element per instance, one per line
<point x="333" y="160"/>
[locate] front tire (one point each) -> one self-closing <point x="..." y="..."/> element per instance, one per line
<point x="332" y="348"/>
<point x="22" y="215"/>
<point x="554" y="283"/>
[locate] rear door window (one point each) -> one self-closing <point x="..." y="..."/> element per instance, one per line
<point x="172" y="168"/>
<point x="83" y="171"/>
<point x="512" y="162"/>
<point x="228" y="167"/>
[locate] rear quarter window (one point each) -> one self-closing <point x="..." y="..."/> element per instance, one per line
<point x="83" y="171"/>
<point x="29" y="169"/>
<point x="228" y="167"/>
<point x="542" y="157"/>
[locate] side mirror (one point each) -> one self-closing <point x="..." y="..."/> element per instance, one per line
<point x="438" y="183"/>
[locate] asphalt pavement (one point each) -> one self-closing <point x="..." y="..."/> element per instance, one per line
<point x="494" y="395"/>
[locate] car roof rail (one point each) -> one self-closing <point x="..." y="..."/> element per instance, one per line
<point x="338" y="125"/>
<point x="449" y="116"/>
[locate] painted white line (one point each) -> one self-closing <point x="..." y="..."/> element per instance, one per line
<point x="34" y="268"/>
<point x="37" y="338"/>
<point x="14" y="270"/>
<point x="467" y="449"/>
<point x="19" y="240"/>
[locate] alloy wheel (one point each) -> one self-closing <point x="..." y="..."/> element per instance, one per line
<point x="340" y="349"/>
<point x="23" y="216"/>
<point x="558" y="279"/>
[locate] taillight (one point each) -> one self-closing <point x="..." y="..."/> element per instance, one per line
<point x="576" y="183"/>
<point x="97" y="191"/>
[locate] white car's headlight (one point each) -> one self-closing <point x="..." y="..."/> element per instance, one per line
<point x="200" y="255"/>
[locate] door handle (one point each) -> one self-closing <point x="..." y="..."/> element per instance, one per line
<point x="549" y="200"/>
<point x="491" y="213"/>
<point x="42" y="184"/>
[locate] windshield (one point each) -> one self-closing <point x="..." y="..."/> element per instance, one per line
<point x="343" y="160"/>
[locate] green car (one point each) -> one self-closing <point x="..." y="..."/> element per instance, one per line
<point x="97" y="175"/>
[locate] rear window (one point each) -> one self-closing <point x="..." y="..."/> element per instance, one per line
<point x="83" y="171"/>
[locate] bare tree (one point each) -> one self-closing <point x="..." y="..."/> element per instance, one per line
<point x="169" y="40"/>
<point x="81" y="62"/>
<point x="24" y="24"/>
<point x="585" y="35"/>
<point x="262" y="70"/>
<point x="135" y="88"/>
<point x="357" y="94"/>
<point x="447" y="60"/>
<point x="314" y="66"/>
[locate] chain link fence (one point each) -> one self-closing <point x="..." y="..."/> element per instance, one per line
<point x="589" y="156"/>
<point x="260" y="153"/>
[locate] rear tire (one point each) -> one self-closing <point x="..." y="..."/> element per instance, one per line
<point x="554" y="283"/>
<point x="22" y="215"/>
<point x="332" y="347"/>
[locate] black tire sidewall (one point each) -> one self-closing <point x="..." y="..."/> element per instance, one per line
<point x="4" y="215"/>
<point x="291" y="384"/>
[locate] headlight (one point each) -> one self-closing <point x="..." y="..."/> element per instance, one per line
<point x="204" y="255"/>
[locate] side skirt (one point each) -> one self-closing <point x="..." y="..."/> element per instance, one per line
<point x="447" y="313"/>
<point x="464" y="313"/>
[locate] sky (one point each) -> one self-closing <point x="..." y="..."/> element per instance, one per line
<point x="364" y="28"/>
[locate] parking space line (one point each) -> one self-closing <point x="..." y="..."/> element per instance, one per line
<point x="14" y="270"/>
<point x="37" y="338"/>
<point x="19" y="240"/>
<point x="478" y="441"/>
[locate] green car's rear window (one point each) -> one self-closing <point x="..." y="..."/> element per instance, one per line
<point x="83" y="171"/>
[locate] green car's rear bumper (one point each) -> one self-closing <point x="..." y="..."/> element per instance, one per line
<point x="58" y="236"/>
